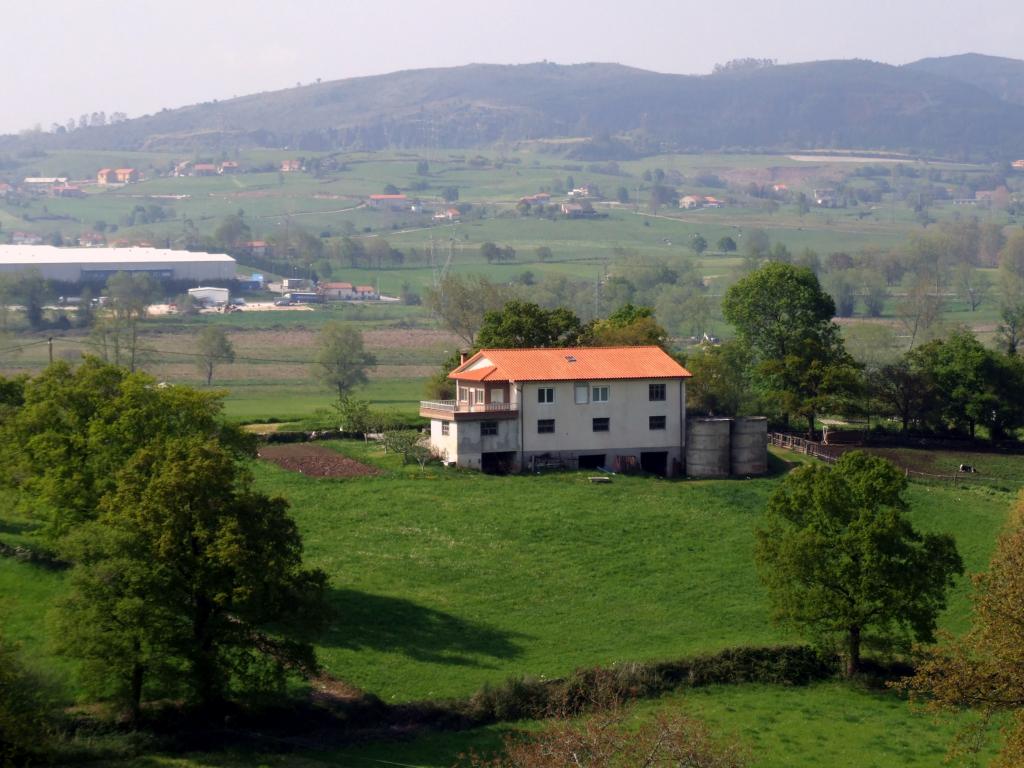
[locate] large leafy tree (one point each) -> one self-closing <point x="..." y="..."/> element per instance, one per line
<point x="460" y="303"/>
<point x="782" y="314"/>
<point x="984" y="669"/>
<point x="629" y="326"/>
<point x="189" y="582"/>
<point x="69" y="430"/>
<point x="117" y="331"/>
<point x="341" y="360"/>
<point x="841" y="560"/>
<point x="905" y="390"/>
<point x="522" y="324"/>
<point x="721" y="383"/>
<point x="974" y="385"/>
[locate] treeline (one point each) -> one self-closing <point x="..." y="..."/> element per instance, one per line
<point x="789" y="359"/>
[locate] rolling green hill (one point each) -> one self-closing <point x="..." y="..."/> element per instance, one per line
<point x="838" y="104"/>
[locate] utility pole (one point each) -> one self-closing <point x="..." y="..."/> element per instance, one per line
<point x="49" y="343"/>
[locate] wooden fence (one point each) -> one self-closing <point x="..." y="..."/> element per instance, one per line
<point x="831" y="453"/>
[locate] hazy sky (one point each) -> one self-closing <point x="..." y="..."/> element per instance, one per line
<point x="66" y="57"/>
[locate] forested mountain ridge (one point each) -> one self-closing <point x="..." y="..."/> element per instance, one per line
<point x="849" y="104"/>
<point x="1001" y="77"/>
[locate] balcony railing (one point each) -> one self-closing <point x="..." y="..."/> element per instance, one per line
<point x="455" y="406"/>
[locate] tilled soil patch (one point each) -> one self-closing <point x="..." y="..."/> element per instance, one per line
<point x="315" y="461"/>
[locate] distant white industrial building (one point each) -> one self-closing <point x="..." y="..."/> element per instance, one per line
<point x="88" y="265"/>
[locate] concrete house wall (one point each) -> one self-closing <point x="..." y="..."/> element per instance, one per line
<point x="628" y="410"/>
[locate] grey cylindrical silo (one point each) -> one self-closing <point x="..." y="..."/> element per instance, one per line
<point x="750" y="446"/>
<point x="707" y="447"/>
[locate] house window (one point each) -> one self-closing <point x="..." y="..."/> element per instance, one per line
<point x="488" y="428"/>
<point x="545" y="426"/>
<point x="599" y="394"/>
<point x="655" y="392"/>
<point x="601" y="425"/>
<point x="444" y="427"/>
<point x="582" y="393"/>
<point x="464" y="394"/>
<point x="546" y="395"/>
<point x="656" y="422"/>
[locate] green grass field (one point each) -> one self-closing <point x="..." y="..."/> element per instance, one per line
<point x="444" y="580"/>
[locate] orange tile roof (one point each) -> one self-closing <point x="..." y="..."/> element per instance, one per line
<point x="388" y="197"/>
<point x="571" y="364"/>
<point x="477" y="374"/>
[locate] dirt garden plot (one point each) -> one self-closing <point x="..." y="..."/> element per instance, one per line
<point x="315" y="461"/>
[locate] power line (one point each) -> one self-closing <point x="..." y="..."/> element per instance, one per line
<point x="25" y="345"/>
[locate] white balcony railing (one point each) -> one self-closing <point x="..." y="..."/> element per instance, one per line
<point x="454" y="406"/>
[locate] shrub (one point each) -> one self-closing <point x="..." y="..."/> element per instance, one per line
<point x="518" y="698"/>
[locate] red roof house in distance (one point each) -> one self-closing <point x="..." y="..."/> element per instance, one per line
<point x="126" y="175"/>
<point x="66" y="190"/>
<point x="106" y="176"/>
<point x="392" y="202"/>
<point x="585" y="408"/>
<point x="291" y="166"/>
<point x="336" y="291"/>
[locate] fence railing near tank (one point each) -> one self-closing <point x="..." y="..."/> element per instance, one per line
<point x="831" y="453"/>
<point x="802" y="445"/>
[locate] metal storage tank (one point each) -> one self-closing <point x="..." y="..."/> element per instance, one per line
<point x="707" y="447"/>
<point x="750" y="445"/>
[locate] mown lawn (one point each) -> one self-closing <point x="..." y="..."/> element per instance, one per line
<point x="445" y="580"/>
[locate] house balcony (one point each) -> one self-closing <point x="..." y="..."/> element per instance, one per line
<point x="454" y="410"/>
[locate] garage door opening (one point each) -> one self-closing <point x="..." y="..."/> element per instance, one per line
<point x="498" y="462"/>
<point x="654" y="462"/>
<point x="595" y="461"/>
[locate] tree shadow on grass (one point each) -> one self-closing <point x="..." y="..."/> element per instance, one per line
<point x="19" y="527"/>
<point x="364" y="621"/>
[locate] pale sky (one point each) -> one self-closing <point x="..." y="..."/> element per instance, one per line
<point x="65" y="57"/>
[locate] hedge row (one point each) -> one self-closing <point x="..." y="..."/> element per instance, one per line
<point x="530" y="698"/>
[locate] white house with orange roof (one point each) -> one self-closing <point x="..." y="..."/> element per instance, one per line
<point x="588" y="407"/>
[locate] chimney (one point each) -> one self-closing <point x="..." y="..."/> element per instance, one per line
<point x="462" y="357"/>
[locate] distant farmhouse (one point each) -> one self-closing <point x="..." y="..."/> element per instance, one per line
<point x="541" y="198"/>
<point x="117" y="176"/>
<point x="388" y="202"/>
<point x="826" y="198"/>
<point x="338" y="291"/>
<point x="97" y="264"/>
<point x="448" y="214"/>
<point x="291" y="166"/>
<point x="342" y="291"/>
<point x="689" y="202"/>
<point x="66" y="190"/>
